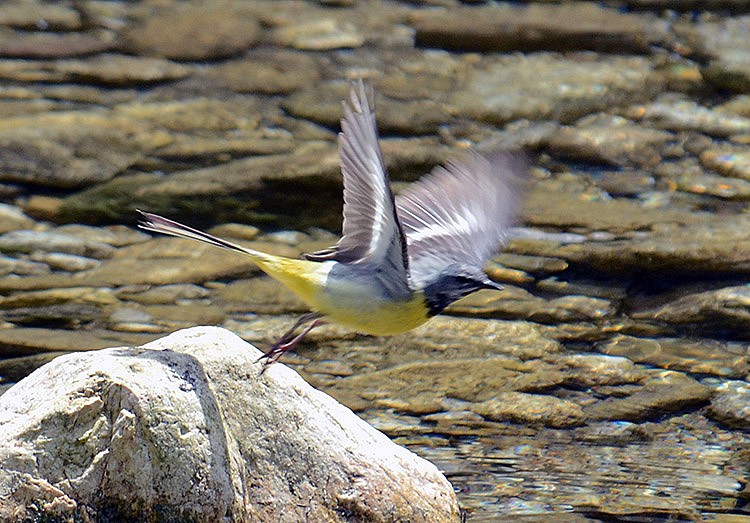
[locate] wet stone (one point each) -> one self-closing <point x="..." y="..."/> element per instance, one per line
<point x="708" y="245"/>
<point x="68" y="315"/>
<point x="319" y="35"/>
<point x="536" y="27"/>
<point x="731" y="404"/>
<point x="498" y="273"/>
<point x="15" y="369"/>
<point x="549" y="206"/>
<point x="610" y="432"/>
<point x="218" y="150"/>
<point x="90" y="295"/>
<point x="719" y="186"/>
<point x="163" y="294"/>
<point x="605" y="290"/>
<point x="177" y="32"/>
<point x="664" y="393"/>
<point x="590" y="370"/>
<point x="65" y="262"/>
<point x="21" y="267"/>
<point x="268" y="71"/>
<point x="128" y="315"/>
<point x="42" y="207"/>
<point x="185" y="314"/>
<point x="27" y="241"/>
<point x="115" y="235"/>
<point x="712" y="357"/>
<point x="530" y="409"/>
<point x="611" y="140"/>
<point x="12" y="218"/>
<point x="686" y="115"/>
<point x="239" y="231"/>
<point x="69" y="149"/>
<point x="532" y="264"/>
<point x="724" y="308"/>
<point x="40" y="45"/>
<point x="728" y="161"/>
<point x="204" y="115"/>
<point x="102" y="69"/>
<point x="322" y="104"/>
<point x="508" y="88"/>
<point x="33" y="340"/>
<point x="516" y="303"/>
<point x="726" y="41"/>
<point x="40" y="16"/>
<point x="738" y="105"/>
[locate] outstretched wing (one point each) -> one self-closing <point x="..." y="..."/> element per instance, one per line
<point x="371" y="232"/>
<point x="460" y="213"/>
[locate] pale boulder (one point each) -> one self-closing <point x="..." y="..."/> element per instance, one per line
<point x="186" y="428"/>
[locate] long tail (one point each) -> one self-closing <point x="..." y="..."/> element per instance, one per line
<point x="155" y="223"/>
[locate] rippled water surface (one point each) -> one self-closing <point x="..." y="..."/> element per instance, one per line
<point x="608" y="381"/>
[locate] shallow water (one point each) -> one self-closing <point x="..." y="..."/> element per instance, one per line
<point x="608" y="381"/>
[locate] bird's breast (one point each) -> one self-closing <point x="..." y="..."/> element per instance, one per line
<point x="363" y="299"/>
<point x="361" y="303"/>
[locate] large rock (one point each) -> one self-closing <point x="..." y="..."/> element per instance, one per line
<point x="186" y="428"/>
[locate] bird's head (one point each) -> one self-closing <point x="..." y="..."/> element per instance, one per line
<point x="452" y="284"/>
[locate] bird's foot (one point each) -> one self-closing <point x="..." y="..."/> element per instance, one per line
<point x="289" y="340"/>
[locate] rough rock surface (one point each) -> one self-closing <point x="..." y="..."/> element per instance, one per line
<point x="185" y="428"/>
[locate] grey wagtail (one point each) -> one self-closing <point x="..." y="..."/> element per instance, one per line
<point x="400" y="260"/>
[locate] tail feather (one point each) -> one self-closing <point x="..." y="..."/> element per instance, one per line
<point x="155" y="223"/>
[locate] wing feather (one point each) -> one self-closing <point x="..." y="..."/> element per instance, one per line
<point x="371" y="231"/>
<point x="460" y="214"/>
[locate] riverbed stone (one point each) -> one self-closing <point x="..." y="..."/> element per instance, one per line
<point x="725" y="42"/>
<point x="609" y="139"/>
<point x="699" y="244"/>
<point x="724" y="308"/>
<point x="25" y="341"/>
<point x="731" y="404"/>
<point x="177" y="32"/>
<point x="90" y="295"/>
<point x="41" y="45"/>
<point x="70" y="149"/>
<point x="65" y="262"/>
<point x="537" y="26"/>
<point x="22" y="267"/>
<point x="664" y="392"/>
<point x="533" y="409"/>
<point x="268" y="71"/>
<point x="686" y="115"/>
<point x="507" y="88"/>
<point x="104" y="69"/>
<point x="695" y="356"/>
<point x="28" y="241"/>
<point x="728" y="160"/>
<point x="12" y="218"/>
<point x="37" y="15"/>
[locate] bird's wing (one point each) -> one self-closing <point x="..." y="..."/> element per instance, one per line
<point x="371" y="231"/>
<point x="460" y="213"/>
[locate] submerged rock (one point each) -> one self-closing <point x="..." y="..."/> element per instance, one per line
<point x="187" y="428"/>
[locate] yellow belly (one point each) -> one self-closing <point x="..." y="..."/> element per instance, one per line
<point x="350" y="305"/>
<point x="378" y="317"/>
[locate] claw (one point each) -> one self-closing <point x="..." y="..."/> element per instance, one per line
<point x="289" y="340"/>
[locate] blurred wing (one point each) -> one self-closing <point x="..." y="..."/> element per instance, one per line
<point x="371" y="232"/>
<point x="460" y="213"/>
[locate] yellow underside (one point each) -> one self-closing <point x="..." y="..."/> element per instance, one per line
<point x="349" y="305"/>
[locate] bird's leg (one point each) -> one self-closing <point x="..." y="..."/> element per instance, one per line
<point x="289" y="339"/>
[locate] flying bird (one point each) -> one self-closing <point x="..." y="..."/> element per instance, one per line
<point x="400" y="260"/>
